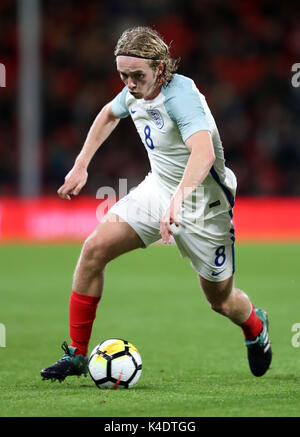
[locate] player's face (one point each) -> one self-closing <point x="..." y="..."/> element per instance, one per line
<point x="141" y="79"/>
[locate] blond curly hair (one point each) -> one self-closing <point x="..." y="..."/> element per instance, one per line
<point x="144" y="42"/>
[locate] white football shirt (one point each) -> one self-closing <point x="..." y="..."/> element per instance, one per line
<point x="164" y="124"/>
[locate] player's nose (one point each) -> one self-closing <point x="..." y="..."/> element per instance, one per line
<point x="131" y="84"/>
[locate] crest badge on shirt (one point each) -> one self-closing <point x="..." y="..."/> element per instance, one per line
<point x="156" y="117"/>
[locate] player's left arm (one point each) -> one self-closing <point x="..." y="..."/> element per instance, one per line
<point x="198" y="166"/>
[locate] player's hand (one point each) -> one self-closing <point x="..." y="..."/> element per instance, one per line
<point x="74" y="182"/>
<point x="169" y="218"/>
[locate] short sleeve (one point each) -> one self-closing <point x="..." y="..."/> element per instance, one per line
<point x="119" y="107"/>
<point x="186" y="109"/>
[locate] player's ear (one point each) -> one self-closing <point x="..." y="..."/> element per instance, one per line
<point x="160" y="69"/>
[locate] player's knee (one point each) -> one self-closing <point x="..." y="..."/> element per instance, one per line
<point x="96" y="251"/>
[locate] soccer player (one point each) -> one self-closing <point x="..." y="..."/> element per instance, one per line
<point x="187" y="196"/>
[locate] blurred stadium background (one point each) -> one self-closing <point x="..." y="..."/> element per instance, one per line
<point x="60" y="71"/>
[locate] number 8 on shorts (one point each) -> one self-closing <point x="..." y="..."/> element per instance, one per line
<point x="220" y="256"/>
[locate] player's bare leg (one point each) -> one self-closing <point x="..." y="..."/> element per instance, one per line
<point x="111" y="238"/>
<point x="227" y="300"/>
<point x="233" y="303"/>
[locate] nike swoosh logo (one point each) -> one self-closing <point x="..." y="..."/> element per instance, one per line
<point x="132" y="111"/>
<point x="217" y="273"/>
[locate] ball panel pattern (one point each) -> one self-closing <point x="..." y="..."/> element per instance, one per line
<point x="115" y="363"/>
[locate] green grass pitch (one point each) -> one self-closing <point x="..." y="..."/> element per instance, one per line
<point x="194" y="360"/>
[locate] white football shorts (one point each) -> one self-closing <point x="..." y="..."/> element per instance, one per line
<point x="209" y="243"/>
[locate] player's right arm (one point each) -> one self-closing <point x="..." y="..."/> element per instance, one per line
<point x="102" y="127"/>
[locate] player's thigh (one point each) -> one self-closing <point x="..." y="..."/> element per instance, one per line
<point x="113" y="237"/>
<point x="216" y="292"/>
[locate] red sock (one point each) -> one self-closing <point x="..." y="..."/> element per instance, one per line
<point x="252" y="326"/>
<point x="82" y="313"/>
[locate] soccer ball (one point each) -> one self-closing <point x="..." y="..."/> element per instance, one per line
<point x="115" y="363"/>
